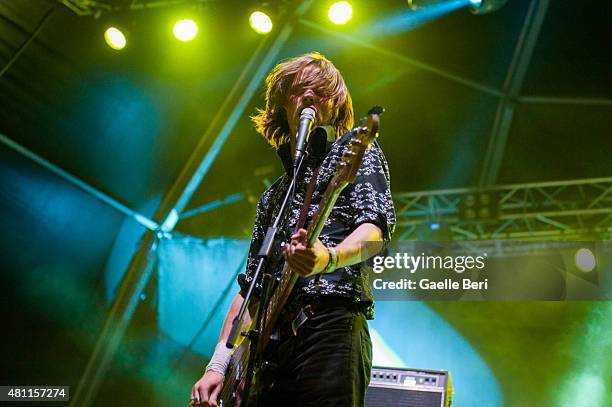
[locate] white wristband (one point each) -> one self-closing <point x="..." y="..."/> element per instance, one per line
<point x="220" y="359"/>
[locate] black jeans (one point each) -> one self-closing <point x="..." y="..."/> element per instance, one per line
<point x="326" y="365"/>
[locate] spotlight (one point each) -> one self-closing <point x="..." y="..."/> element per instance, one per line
<point x="585" y="260"/>
<point x="340" y="12"/>
<point x="260" y="22"/>
<point x="482" y="206"/>
<point x="185" y="30"/>
<point x="486" y="6"/>
<point x="114" y="38"/>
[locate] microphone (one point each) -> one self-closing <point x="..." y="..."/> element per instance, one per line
<point x="306" y="120"/>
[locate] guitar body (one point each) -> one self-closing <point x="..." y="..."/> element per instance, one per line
<point x="235" y="377"/>
<point x="232" y="392"/>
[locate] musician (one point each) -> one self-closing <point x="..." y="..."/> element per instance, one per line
<point x="327" y="360"/>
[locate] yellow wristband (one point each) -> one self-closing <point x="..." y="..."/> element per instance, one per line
<point x="332" y="262"/>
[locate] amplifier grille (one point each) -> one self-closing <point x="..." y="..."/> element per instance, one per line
<point x="384" y="397"/>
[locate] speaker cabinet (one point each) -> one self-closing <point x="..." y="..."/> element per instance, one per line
<point x="395" y="387"/>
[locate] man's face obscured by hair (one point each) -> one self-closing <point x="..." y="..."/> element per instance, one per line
<point x="303" y="94"/>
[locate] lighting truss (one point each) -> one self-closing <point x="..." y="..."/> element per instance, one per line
<point x="560" y="210"/>
<point x="96" y="7"/>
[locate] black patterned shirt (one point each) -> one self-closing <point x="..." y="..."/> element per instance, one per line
<point x="367" y="200"/>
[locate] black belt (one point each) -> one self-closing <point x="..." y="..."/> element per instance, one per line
<point x="316" y="306"/>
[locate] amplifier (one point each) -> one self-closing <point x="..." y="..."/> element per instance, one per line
<point x="398" y="387"/>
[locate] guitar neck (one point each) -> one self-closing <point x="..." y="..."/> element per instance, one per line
<point x="327" y="203"/>
<point x="289" y="278"/>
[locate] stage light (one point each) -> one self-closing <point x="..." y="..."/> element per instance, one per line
<point x="185" y="30"/>
<point x="585" y="260"/>
<point x="475" y="3"/>
<point x="114" y="38"/>
<point x="260" y="22"/>
<point x="340" y="12"/>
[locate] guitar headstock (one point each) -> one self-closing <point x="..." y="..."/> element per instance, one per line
<point x="361" y="139"/>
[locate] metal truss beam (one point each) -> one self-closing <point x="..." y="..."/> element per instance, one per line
<point x="512" y="86"/>
<point x="95" y="7"/>
<point x="41" y="24"/>
<point x="573" y="209"/>
<point x="351" y="39"/>
<point x="101" y="196"/>
<point x="230" y="199"/>
<point x="503" y="248"/>
<point x="552" y="100"/>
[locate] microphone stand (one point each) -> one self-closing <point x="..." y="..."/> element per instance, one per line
<point x="264" y="257"/>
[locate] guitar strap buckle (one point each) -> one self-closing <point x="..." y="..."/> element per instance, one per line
<point x="302" y="316"/>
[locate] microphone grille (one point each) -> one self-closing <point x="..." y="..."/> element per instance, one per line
<point x="308" y="113"/>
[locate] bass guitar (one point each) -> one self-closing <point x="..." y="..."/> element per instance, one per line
<point x="346" y="171"/>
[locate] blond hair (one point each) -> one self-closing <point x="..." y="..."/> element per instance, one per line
<point x="322" y="76"/>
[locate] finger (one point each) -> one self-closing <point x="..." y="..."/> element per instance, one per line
<point x="295" y="267"/>
<point x="304" y="251"/>
<point x="299" y="235"/>
<point x="300" y="269"/>
<point x="304" y="260"/>
<point x="301" y="248"/>
<point x="202" y="396"/>
<point x="307" y="264"/>
<point x="305" y="272"/>
<point x="215" y="394"/>
<point x="194" y="396"/>
<point x="299" y="261"/>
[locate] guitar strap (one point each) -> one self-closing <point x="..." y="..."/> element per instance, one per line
<point x="301" y="219"/>
<point x="307" y="199"/>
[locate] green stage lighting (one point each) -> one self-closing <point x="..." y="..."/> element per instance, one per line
<point x="114" y="38"/>
<point x="185" y="30"/>
<point x="260" y="22"/>
<point x="340" y="12"/>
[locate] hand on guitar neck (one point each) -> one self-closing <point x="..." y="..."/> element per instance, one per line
<point x="305" y="260"/>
